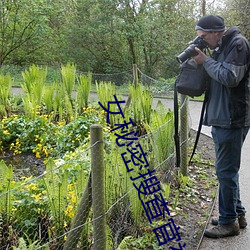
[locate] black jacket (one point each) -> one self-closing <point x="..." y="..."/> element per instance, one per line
<point x="229" y="90"/>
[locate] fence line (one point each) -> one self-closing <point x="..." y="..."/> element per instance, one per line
<point x="114" y="205"/>
<point x="121" y="208"/>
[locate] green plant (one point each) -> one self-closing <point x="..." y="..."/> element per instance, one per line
<point x="106" y="92"/>
<point x="116" y="177"/>
<point x="5" y="90"/>
<point x="176" y="199"/>
<point x="83" y="91"/>
<point x="6" y="196"/>
<point x="183" y="180"/>
<point x="48" y="98"/>
<point x="146" y="241"/>
<point x="141" y="110"/>
<point x="23" y="246"/>
<point x="42" y="136"/>
<point x="167" y="189"/>
<point x="34" y="81"/>
<point x="56" y="187"/>
<point x="160" y="131"/>
<point x="28" y="244"/>
<point x="136" y="207"/>
<point x="68" y="74"/>
<point x="30" y="208"/>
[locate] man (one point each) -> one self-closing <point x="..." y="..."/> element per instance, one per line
<point x="228" y="112"/>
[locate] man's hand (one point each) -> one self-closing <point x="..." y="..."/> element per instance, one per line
<point x="200" y="58"/>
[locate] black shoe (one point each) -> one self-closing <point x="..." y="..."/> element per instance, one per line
<point x="241" y="219"/>
<point x="221" y="230"/>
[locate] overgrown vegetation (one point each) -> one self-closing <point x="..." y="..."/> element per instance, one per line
<point x="55" y="128"/>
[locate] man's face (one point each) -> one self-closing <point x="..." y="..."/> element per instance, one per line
<point x="211" y="38"/>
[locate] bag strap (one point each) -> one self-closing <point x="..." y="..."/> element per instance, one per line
<point x="199" y="127"/>
<point x="176" y="126"/>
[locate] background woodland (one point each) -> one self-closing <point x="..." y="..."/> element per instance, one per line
<point x="107" y="36"/>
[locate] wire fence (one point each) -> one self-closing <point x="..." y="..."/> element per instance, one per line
<point x="160" y="87"/>
<point x="55" y="210"/>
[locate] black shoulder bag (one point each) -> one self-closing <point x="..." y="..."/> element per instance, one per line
<point x="191" y="81"/>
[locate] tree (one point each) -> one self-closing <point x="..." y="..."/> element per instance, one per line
<point x="237" y="13"/>
<point x="102" y="36"/>
<point x="108" y="36"/>
<point x="21" y="21"/>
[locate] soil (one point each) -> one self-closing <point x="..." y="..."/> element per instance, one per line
<point x="25" y="164"/>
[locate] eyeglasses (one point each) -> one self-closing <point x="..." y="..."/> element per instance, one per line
<point x="203" y="36"/>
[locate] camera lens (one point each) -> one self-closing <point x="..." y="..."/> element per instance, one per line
<point x="187" y="53"/>
<point x="190" y="50"/>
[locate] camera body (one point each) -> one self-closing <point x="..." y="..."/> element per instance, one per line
<point x="190" y="51"/>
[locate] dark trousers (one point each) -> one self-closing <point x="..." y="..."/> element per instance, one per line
<point x="228" y="145"/>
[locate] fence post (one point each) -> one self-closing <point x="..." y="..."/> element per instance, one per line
<point x="98" y="195"/>
<point x="184" y="135"/>
<point x="135" y="74"/>
<point x="135" y="82"/>
<point x="80" y="218"/>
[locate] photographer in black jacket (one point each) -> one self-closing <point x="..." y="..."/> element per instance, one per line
<point x="228" y="112"/>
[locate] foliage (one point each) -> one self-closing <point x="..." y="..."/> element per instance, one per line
<point x="46" y="205"/>
<point x="55" y="99"/>
<point x="68" y="74"/>
<point x="30" y="206"/>
<point x="160" y="131"/>
<point x="106" y="36"/>
<point x="43" y="137"/>
<point x="106" y="92"/>
<point x="48" y="98"/>
<point x="50" y="201"/>
<point x="6" y="184"/>
<point x="22" y="245"/>
<point x="34" y="81"/>
<point x="83" y="91"/>
<point x="22" y="23"/>
<point x="5" y="90"/>
<point x="236" y="13"/>
<point x="141" y="110"/>
<point x="147" y="241"/>
<point x="56" y="184"/>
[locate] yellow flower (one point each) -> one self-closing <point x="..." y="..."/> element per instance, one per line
<point x="38" y="155"/>
<point x="37" y="196"/>
<point x="69" y="211"/>
<point x="31" y="187"/>
<point x="73" y="199"/>
<point x="17" y="152"/>
<point x="45" y="151"/>
<point x="6" y="132"/>
<point x="14" y="209"/>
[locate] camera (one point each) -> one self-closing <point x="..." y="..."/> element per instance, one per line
<point x="190" y="51"/>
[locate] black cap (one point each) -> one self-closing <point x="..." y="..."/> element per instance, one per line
<point x="211" y="23"/>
